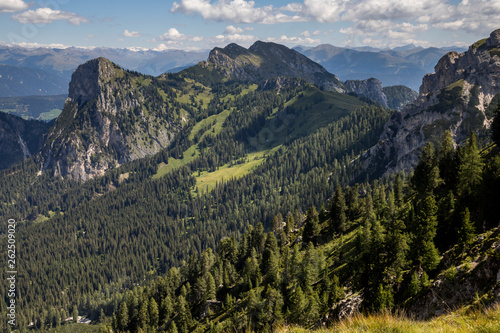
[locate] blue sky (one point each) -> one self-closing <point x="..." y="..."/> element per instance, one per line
<point x="203" y="24"/>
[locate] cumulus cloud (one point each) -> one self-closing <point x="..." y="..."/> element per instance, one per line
<point x="293" y="40"/>
<point x="131" y="34"/>
<point x="173" y="39"/>
<point x="10" y="6"/>
<point x="309" y="34"/>
<point x="230" y="29"/>
<point x="238" y="11"/>
<point x="235" y="38"/>
<point x="47" y="15"/>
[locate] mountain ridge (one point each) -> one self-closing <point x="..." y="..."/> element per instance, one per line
<point x="461" y="95"/>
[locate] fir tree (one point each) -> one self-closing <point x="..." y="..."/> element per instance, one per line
<point x="338" y="209"/>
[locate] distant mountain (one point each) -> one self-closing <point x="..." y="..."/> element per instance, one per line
<point x="19" y="138"/>
<point x="401" y="66"/>
<point x="461" y="96"/>
<point x="47" y="71"/>
<point x="23" y="81"/>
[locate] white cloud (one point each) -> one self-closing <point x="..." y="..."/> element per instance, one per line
<point x="235" y="38"/>
<point x="293" y="40"/>
<point x="324" y="10"/>
<point x="38" y="46"/>
<point x="132" y="34"/>
<point x="230" y="29"/>
<point x="309" y="34"/>
<point x="473" y="16"/>
<point x="391" y="32"/>
<point x="173" y="35"/>
<point x="238" y="11"/>
<point x="47" y="15"/>
<point x="10" y="6"/>
<point x="173" y="39"/>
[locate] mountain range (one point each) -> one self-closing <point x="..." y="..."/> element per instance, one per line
<point x="255" y="189"/>
<point x="400" y="66"/>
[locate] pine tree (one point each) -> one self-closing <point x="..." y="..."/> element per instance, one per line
<point x="470" y="169"/>
<point x="466" y="231"/>
<point x="211" y="288"/>
<point x="143" y="317"/>
<point x="153" y="312"/>
<point x="425" y="228"/>
<point x="426" y="175"/>
<point x="122" y="319"/>
<point x="312" y="227"/>
<point x="447" y="161"/>
<point x="166" y="309"/>
<point x="74" y="313"/>
<point x="338" y="209"/>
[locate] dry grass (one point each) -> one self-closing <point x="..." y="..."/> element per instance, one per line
<point x="484" y="321"/>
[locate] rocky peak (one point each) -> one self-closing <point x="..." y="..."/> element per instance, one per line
<point x="459" y="96"/>
<point x="263" y="61"/>
<point x="111" y="117"/>
<point x="87" y="79"/>
<point x="494" y="39"/>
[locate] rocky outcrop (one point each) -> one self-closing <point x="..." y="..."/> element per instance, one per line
<point x="263" y="61"/>
<point x="459" y="97"/>
<point x="111" y="116"/>
<point x="463" y="282"/>
<point x="370" y="88"/>
<point x="19" y="138"/>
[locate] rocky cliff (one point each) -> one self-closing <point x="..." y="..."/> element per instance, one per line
<point x="267" y="61"/>
<point x="460" y="96"/>
<point x="20" y="138"/>
<point x="370" y="88"/>
<point x="110" y="117"/>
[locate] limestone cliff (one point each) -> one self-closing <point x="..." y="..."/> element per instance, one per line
<point x="370" y="88"/>
<point x="110" y="117"/>
<point x="460" y="96"/>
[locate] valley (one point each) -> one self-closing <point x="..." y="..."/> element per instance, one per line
<point x="255" y="190"/>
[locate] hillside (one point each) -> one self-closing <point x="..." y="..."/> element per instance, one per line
<point x="232" y="196"/>
<point x="263" y="148"/>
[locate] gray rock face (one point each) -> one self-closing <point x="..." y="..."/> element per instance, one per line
<point x="456" y="97"/>
<point x="109" y="118"/>
<point x="371" y="88"/>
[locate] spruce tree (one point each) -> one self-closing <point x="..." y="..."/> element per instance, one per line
<point x="426" y="175"/>
<point x="466" y="230"/>
<point x="338" y="209"/>
<point x="470" y="169"/>
<point x="153" y="312"/>
<point x="312" y="227"/>
<point x="425" y="228"/>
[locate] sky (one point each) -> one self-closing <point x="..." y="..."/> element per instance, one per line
<point x="204" y="24"/>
